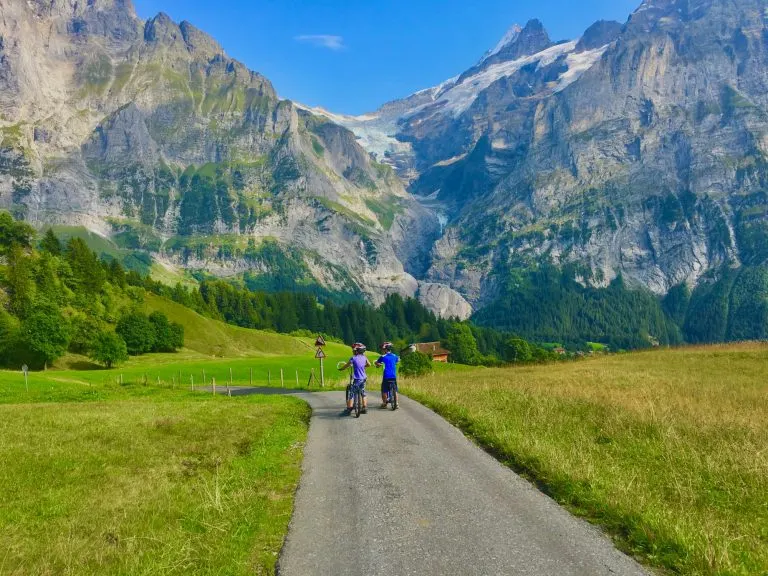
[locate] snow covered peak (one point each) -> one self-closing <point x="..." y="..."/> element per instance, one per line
<point x="512" y="34"/>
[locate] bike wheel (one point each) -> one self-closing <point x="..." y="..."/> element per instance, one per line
<point x="358" y="404"/>
<point x="393" y="392"/>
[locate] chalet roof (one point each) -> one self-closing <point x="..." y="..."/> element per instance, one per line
<point x="432" y="348"/>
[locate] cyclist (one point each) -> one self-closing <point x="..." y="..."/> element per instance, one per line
<point x="359" y="362"/>
<point x="389" y="360"/>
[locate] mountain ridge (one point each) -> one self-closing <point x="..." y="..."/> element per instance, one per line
<point x="636" y="153"/>
<point x="601" y="157"/>
<point x="148" y="130"/>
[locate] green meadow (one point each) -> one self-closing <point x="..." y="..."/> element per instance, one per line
<point x="666" y="450"/>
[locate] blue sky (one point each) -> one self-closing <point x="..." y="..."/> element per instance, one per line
<point x="352" y="56"/>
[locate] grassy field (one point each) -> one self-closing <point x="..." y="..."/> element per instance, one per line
<point x="103" y="473"/>
<point x="164" y="482"/>
<point x="667" y="450"/>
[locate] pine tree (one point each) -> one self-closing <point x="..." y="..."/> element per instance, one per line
<point x="87" y="271"/>
<point x="14" y="234"/>
<point x="20" y="282"/>
<point x="50" y="243"/>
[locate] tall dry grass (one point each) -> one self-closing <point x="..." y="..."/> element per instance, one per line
<point x="668" y="450"/>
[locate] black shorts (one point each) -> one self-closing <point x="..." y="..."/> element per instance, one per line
<point x="387" y="383"/>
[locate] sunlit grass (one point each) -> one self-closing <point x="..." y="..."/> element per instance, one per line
<point x="148" y="486"/>
<point x="668" y="450"/>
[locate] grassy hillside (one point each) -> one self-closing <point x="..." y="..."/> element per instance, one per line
<point x="214" y="338"/>
<point x="665" y="449"/>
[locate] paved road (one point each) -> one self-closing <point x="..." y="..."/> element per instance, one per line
<point x="404" y="492"/>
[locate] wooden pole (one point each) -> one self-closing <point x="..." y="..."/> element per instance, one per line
<point x="205" y="382"/>
<point x="26" y="381"/>
<point x="192" y="380"/>
<point x="158" y="380"/>
<point x="269" y="378"/>
<point x="213" y="383"/>
<point x="229" y="384"/>
<point x="297" y="378"/>
<point x="282" y="381"/>
<point x="322" y="374"/>
<point x="251" y="378"/>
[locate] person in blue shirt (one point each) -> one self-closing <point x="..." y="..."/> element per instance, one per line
<point x="389" y="360"/>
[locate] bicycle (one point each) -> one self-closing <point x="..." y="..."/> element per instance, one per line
<point x="352" y="391"/>
<point x="356" y="392"/>
<point x="392" y="395"/>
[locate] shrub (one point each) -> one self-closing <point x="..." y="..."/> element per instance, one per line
<point x="463" y="345"/>
<point x="416" y="364"/>
<point x="85" y="330"/>
<point x="45" y="335"/>
<point x="517" y="350"/>
<point x="109" y="348"/>
<point x="138" y="333"/>
<point x="169" y="336"/>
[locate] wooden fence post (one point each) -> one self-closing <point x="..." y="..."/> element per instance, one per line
<point x="192" y="380"/>
<point x="269" y="378"/>
<point x="213" y="383"/>
<point x="297" y="378"/>
<point x="251" y="378"/>
<point x="282" y="381"/>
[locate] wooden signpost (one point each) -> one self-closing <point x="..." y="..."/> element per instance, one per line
<point x="320" y="355"/>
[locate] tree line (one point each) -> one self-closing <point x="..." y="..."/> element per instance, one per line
<point x="63" y="297"/>
<point x="59" y="298"/>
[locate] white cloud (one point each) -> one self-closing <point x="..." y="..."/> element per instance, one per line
<point x="322" y="40"/>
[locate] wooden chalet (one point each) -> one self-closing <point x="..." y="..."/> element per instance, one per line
<point x="433" y="349"/>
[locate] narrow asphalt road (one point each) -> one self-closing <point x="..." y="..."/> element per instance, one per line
<point x="399" y="493"/>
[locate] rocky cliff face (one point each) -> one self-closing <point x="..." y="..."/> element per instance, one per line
<point x="639" y="149"/>
<point x="652" y="164"/>
<point x="148" y="132"/>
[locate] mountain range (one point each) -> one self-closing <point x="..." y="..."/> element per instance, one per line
<point x="635" y="152"/>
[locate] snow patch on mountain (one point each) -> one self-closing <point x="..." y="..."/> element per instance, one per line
<point x="459" y="98"/>
<point x="578" y="63"/>
<point x="512" y="34"/>
<point x="378" y="132"/>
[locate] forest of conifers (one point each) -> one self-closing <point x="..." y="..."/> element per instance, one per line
<point x="61" y="297"/>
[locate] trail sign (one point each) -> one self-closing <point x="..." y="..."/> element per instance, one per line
<point x="320" y="355"/>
